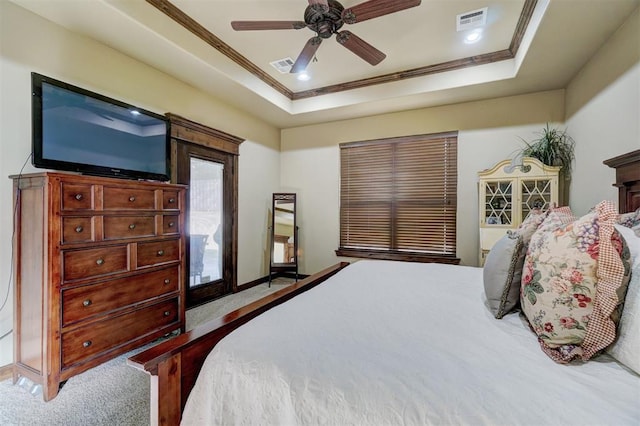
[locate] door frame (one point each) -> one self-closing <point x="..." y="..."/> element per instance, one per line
<point x="193" y="139"/>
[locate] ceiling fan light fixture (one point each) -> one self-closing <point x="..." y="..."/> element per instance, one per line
<point x="303" y="76"/>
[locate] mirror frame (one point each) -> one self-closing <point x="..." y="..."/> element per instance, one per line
<point x="276" y="268"/>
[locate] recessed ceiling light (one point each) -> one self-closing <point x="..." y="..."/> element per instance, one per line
<point x="473" y="36"/>
<point x="303" y="76"/>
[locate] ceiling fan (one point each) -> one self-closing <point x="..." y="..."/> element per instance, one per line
<point x="325" y="18"/>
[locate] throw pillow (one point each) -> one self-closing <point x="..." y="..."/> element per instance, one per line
<point x="573" y="281"/>
<point x="629" y="220"/>
<point x="626" y="349"/>
<point x="503" y="267"/>
<point x="502" y="273"/>
<point x="530" y="224"/>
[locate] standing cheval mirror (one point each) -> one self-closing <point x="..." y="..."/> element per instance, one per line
<point x="284" y="236"/>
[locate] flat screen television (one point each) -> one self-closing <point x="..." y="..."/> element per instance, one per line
<point x="81" y="131"/>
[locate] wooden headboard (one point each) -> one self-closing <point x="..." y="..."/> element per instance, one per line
<point x="627" y="180"/>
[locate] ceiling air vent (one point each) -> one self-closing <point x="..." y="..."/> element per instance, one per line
<point x="283" y="65"/>
<point x="473" y="19"/>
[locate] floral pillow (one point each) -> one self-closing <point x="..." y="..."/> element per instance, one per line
<point x="529" y="225"/>
<point x="503" y="267"/>
<point x="573" y="283"/>
<point x="555" y="218"/>
<point x="629" y="220"/>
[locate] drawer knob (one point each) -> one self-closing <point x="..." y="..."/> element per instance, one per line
<point x="132" y="226"/>
<point x="87" y="343"/>
<point x="100" y="261"/>
<point x="132" y="198"/>
<point x="172" y="200"/>
<point x="171" y="224"/>
<point x="167" y="313"/>
<point x="79" y="229"/>
<point x="167" y="280"/>
<point x="160" y="252"/>
<point x="78" y="197"/>
<point x="86" y="302"/>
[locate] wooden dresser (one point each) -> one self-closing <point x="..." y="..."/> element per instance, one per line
<point x="99" y="270"/>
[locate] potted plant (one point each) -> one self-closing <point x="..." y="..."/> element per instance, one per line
<point x="554" y="147"/>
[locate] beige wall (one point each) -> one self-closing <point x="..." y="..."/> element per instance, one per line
<point x="29" y="43"/>
<point x="489" y="131"/>
<point x="604" y="116"/>
<point x="603" y="110"/>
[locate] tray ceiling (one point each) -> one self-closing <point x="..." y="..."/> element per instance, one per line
<point x="526" y="46"/>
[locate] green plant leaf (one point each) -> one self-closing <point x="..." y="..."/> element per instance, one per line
<point x="553" y="147"/>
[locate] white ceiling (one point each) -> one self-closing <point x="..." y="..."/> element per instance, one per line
<point x="559" y="39"/>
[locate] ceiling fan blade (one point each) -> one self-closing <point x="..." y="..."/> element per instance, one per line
<point x="267" y="25"/>
<point x="306" y="55"/>
<point x="374" y="8"/>
<point x="360" y="47"/>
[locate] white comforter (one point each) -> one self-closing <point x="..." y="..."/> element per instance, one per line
<point x="386" y="343"/>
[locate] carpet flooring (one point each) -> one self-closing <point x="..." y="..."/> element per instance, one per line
<point x="112" y="394"/>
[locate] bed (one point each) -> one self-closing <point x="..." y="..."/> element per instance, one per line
<point x="344" y="353"/>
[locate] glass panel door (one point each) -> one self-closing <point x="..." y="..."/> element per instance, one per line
<point x="498" y="203"/>
<point x="205" y="221"/>
<point x="211" y="206"/>
<point x="536" y="194"/>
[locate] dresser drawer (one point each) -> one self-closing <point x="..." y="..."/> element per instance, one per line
<point x="158" y="252"/>
<point x="77" y="229"/>
<point x="82" y="302"/>
<point x="128" y="198"/>
<point x="77" y="196"/>
<point x="78" y="264"/>
<point x="116" y="227"/>
<point x="86" y="342"/>
<point x="170" y="200"/>
<point x="170" y="224"/>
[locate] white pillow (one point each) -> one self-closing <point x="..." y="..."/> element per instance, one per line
<point x="626" y="349"/>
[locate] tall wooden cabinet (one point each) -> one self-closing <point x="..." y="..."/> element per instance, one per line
<point x="99" y="271"/>
<point x="507" y="195"/>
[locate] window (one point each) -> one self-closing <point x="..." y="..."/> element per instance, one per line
<point x="398" y="198"/>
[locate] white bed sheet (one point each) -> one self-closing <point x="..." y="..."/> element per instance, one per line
<point x="387" y="343"/>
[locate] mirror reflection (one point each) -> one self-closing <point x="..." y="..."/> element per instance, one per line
<point x="205" y="221"/>
<point x="284" y="235"/>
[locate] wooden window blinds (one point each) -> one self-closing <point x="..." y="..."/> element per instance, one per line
<point x="399" y="196"/>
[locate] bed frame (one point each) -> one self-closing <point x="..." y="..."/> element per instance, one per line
<point x="627" y="180"/>
<point x="174" y="364"/>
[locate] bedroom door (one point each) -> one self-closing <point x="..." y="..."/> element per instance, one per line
<point x="209" y="174"/>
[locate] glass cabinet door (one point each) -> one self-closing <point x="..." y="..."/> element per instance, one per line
<point x="498" y="202"/>
<point x="535" y="194"/>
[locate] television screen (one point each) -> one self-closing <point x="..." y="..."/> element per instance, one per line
<point x="78" y="130"/>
